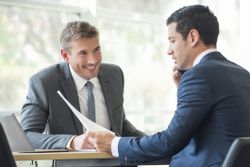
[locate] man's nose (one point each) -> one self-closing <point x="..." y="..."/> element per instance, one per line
<point x="91" y="59"/>
<point x="170" y="51"/>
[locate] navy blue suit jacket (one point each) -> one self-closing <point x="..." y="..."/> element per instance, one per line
<point x="213" y="108"/>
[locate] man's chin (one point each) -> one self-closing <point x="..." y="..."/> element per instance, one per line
<point x="91" y="76"/>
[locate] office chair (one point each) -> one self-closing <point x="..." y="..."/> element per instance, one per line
<point x="6" y="157"/>
<point x="238" y="154"/>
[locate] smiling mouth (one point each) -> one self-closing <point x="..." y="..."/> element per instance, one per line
<point x="90" y="66"/>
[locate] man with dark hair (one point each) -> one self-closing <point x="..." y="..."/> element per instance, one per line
<point x="213" y="105"/>
<point x="82" y="68"/>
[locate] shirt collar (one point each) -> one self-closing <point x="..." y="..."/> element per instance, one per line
<point x="203" y="54"/>
<point x="79" y="81"/>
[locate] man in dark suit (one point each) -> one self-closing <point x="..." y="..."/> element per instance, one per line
<point x="212" y="100"/>
<point x="44" y="109"/>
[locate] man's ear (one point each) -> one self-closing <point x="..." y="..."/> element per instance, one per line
<point x="194" y="37"/>
<point x="65" y="55"/>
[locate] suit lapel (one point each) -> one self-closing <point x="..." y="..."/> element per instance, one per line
<point x="107" y="93"/>
<point x="70" y="94"/>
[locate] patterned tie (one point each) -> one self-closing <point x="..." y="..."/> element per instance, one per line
<point x="91" y="102"/>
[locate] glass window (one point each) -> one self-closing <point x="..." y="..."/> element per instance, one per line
<point x="29" y="41"/>
<point x="133" y="35"/>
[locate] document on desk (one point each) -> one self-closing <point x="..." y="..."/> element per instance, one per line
<point x="87" y="123"/>
<point x="87" y="150"/>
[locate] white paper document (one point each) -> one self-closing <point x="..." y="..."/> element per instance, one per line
<point x="88" y="124"/>
<point x="87" y="150"/>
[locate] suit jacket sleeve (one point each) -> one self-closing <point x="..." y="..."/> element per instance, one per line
<point x="192" y="108"/>
<point x="35" y="115"/>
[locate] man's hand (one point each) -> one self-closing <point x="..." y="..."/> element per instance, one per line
<point x="101" y="140"/>
<point x="176" y="75"/>
<point x="81" y="142"/>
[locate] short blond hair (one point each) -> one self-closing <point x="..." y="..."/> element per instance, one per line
<point x="76" y="30"/>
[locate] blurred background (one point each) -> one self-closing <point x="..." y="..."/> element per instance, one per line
<point x="133" y="35"/>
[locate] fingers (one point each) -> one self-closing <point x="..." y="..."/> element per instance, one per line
<point x="95" y="139"/>
<point x="81" y="142"/>
<point x="101" y="140"/>
<point x="176" y="75"/>
<point x="90" y="136"/>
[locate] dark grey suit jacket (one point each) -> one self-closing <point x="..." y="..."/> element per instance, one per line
<point x="44" y="109"/>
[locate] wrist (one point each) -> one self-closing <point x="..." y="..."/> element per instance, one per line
<point x="70" y="145"/>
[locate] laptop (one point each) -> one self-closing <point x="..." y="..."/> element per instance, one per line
<point x="16" y="137"/>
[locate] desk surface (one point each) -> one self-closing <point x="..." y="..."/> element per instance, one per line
<point x="61" y="155"/>
<point x="77" y="159"/>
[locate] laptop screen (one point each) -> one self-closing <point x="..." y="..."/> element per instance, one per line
<point x="17" y="139"/>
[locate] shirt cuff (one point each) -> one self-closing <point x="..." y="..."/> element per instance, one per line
<point x="69" y="142"/>
<point x="114" y="146"/>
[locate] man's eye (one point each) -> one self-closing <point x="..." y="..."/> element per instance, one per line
<point x="97" y="49"/>
<point x="83" y="53"/>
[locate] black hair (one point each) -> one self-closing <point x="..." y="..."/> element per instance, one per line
<point x="196" y="17"/>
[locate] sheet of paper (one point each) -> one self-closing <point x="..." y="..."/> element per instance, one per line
<point x="87" y="150"/>
<point x="88" y="124"/>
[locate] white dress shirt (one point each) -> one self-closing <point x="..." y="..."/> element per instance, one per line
<point x="115" y="141"/>
<point x="102" y="117"/>
<point x="203" y="54"/>
<point x="101" y="112"/>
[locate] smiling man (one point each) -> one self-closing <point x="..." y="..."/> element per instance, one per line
<point x="44" y="111"/>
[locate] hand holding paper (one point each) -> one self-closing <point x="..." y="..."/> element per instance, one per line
<point x="101" y="140"/>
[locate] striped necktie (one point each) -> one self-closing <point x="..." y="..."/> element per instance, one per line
<point x="91" y="102"/>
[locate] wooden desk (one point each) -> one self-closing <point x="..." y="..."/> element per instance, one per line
<point x="76" y="159"/>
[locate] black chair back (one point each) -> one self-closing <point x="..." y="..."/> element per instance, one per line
<point x="6" y="157"/>
<point x="238" y="154"/>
